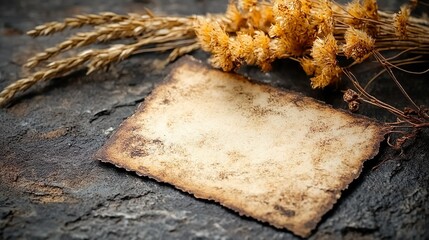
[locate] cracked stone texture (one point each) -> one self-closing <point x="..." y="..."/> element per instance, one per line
<point x="50" y="186"/>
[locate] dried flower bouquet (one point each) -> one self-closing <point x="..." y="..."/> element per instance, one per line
<point x="252" y="32"/>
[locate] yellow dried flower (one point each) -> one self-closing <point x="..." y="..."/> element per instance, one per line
<point x="324" y="53"/>
<point x="400" y="20"/>
<point x="355" y="9"/>
<point x="235" y="17"/>
<point x="293" y="26"/>
<point x="262" y="50"/>
<point x="242" y="48"/>
<point x="323" y="18"/>
<point x="251" y="50"/>
<point x="307" y="5"/>
<point x="249" y="15"/>
<point x="222" y="57"/>
<point x="359" y="44"/>
<point x="308" y="66"/>
<point x="276" y="31"/>
<point x="267" y="14"/>
<point x="287" y="8"/>
<point x="213" y="38"/>
<point x="261" y="17"/>
<point x="324" y="50"/>
<point x="371" y="9"/>
<point x="279" y="48"/>
<point x="204" y="30"/>
<point x="360" y="11"/>
<point x="328" y="76"/>
<point x="246" y="5"/>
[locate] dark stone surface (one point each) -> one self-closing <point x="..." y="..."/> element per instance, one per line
<point x="50" y="187"/>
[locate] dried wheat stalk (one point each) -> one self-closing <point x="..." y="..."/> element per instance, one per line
<point x="76" y="22"/>
<point x="53" y="70"/>
<point x="151" y="34"/>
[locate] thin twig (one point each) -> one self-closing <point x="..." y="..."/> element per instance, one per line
<point x="383" y="63"/>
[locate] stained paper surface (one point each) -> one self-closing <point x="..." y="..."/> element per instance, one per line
<point x="272" y="155"/>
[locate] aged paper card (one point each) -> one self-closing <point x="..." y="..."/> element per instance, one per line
<point x="273" y="155"/>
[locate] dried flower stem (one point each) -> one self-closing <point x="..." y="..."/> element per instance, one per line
<point x="368" y="98"/>
<point x="383" y="62"/>
<point x="414" y="118"/>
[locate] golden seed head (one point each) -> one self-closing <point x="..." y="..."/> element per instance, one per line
<point x="350" y="95"/>
<point x="354" y="106"/>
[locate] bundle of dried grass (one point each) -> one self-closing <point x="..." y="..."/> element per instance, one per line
<point x="150" y="33"/>
<point x="314" y="33"/>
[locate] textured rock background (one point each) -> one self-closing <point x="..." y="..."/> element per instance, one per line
<point x="50" y="187"/>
